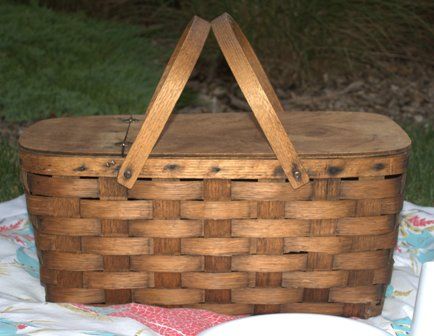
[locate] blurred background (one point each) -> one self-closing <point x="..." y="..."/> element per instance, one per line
<point x="85" y="57"/>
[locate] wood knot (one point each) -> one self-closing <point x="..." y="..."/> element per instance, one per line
<point x="278" y="171"/>
<point x="333" y="170"/>
<point x="379" y="166"/>
<point x="215" y="169"/>
<point x="171" y="166"/>
<point x="80" y="169"/>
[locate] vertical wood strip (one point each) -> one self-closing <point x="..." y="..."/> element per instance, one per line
<point x="217" y="190"/>
<point x="365" y="207"/>
<point x="323" y="189"/>
<point x="109" y="189"/>
<point x="167" y="209"/>
<point x="269" y="210"/>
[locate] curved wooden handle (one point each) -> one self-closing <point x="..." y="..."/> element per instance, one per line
<point x="167" y="93"/>
<point x="259" y="93"/>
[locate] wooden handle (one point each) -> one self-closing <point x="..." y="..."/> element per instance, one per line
<point x="251" y="78"/>
<point x="167" y="93"/>
<point x="260" y="95"/>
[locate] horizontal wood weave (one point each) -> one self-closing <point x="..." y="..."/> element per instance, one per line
<point x="232" y="246"/>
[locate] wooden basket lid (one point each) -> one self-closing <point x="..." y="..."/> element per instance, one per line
<point x="211" y="135"/>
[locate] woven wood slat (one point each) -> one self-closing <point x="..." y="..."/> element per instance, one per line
<point x="69" y="279"/>
<point x="166" y="190"/>
<point x="218" y="209"/>
<point x="69" y="226"/>
<point x="331" y="245"/>
<point x="378" y="242"/>
<point x="269" y="263"/>
<point x="167" y="263"/>
<point x="72" y="261"/>
<point x="166" y="228"/>
<point x="267" y="296"/>
<point x="215" y="246"/>
<point x="115" y="280"/>
<point x="361" y="260"/>
<point x="173" y="296"/>
<point x="382" y="276"/>
<point x="365" y="294"/>
<point x="115" y="209"/>
<point x="374" y="188"/>
<point x="360" y="278"/>
<point x="270" y="191"/>
<point x="63" y="187"/>
<point x="320" y="209"/>
<point x="116" y="246"/>
<point x="369" y="225"/>
<point x="202" y="280"/>
<point x="77" y="295"/>
<point x="53" y="206"/>
<point x="269" y="228"/>
<point x="49" y="277"/>
<point x="46" y="242"/>
<point x="66" y="279"/>
<point x="391" y="206"/>
<point x="348" y="190"/>
<point x="315" y="279"/>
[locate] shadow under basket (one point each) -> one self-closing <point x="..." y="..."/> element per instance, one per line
<point x="214" y="218"/>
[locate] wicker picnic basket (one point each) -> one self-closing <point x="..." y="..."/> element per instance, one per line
<point x="284" y="212"/>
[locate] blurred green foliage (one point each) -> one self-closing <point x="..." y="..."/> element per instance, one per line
<point x="55" y="64"/>
<point x="420" y="175"/>
<point x="10" y="185"/>
<point x="297" y="39"/>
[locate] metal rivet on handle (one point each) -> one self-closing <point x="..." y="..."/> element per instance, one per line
<point x="296" y="172"/>
<point x="128" y="174"/>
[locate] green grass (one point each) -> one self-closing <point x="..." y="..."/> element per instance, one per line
<point x="54" y="64"/>
<point x="303" y="39"/>
<point x="10" y="185"/>
<point x="420" y="176"/>
<point x="298" y="40"/>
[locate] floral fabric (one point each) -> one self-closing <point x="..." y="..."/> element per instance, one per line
<point x="23" y="310"/>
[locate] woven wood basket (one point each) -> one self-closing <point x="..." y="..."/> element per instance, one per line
<point x="291" y="212"/>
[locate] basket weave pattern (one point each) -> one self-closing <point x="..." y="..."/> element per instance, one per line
<point x="240" y="229"/>
<point x="232" y="246"/>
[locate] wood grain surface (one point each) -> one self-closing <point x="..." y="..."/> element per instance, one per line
<point x="232" y="134"/>
<point x="166" y="95"/>
<point x="260" y="95"/>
